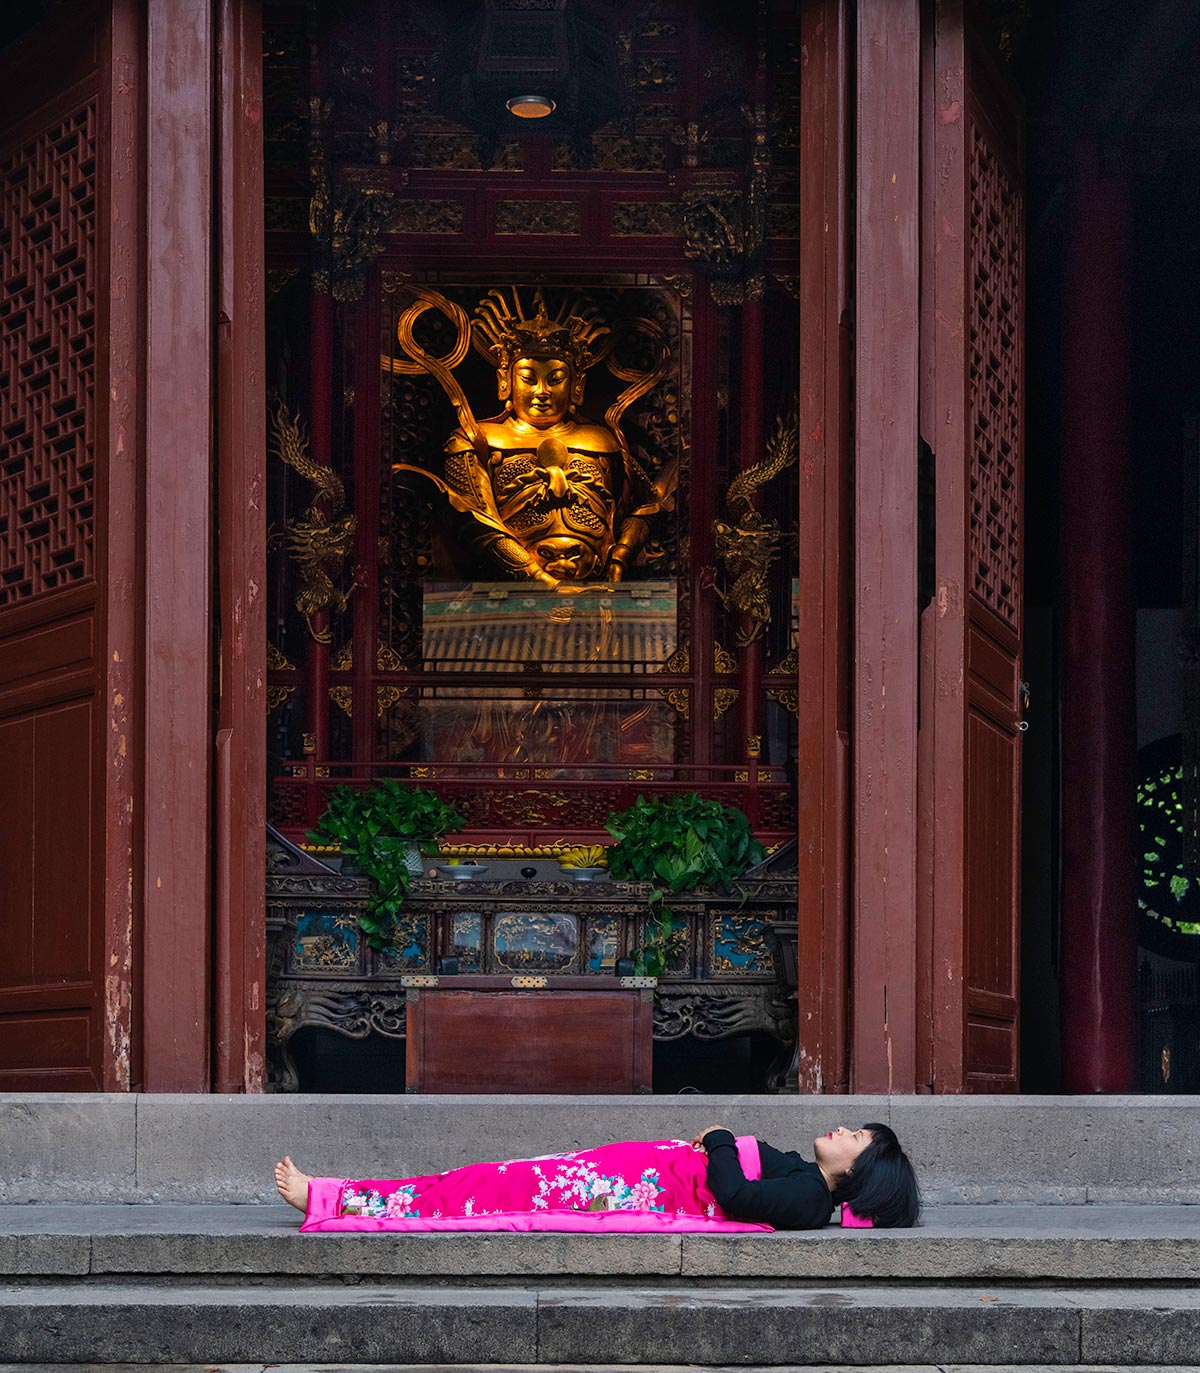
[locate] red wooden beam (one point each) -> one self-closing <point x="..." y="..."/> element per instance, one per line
<point x="320" y="401"/>
<point x="119" y="404"/>
<point x="1099" y="738"/>
<point x="239" y="1027"/>
<point x="823" y="634"/>
<point x="941" y="950"/>
<point x="367" y="469"/>
<point x="885" y="637"/>
<point x="750" y="656"/>
<point x="178" y="551"/>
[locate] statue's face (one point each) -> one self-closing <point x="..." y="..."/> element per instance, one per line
<point x="541" y="390"/>
<point x="567" y="559"/>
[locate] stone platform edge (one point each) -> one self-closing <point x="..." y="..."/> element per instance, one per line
<point x="200" y="1148"/>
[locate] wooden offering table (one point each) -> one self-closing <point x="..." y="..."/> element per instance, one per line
<point x="528" y="1033"/>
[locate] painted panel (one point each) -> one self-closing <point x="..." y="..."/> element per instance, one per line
<point x="604" y="944"/>
<point x="541" y="942"/>
<point x="738" y="946"/>
<point x="409" y="951"/>
<point x="326" y="942"/>
<point x="466" y="941"/>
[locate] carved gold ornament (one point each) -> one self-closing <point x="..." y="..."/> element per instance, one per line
<point x="723" y="698"/>
<point x="321" y="539"/>
<point x="787" y="696"/>
<point x="386" y="696"/>
<point x="277" y="661"/>
<point x="747" y="540"/>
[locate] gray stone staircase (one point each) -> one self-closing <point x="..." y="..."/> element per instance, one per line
<point x="141" y="1232"/>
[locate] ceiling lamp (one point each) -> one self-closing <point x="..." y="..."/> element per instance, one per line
<point x="531" y="106"/>
<point x="554" y="68"/>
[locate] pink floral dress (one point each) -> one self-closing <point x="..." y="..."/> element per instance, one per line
<point x="634" y="1185"/>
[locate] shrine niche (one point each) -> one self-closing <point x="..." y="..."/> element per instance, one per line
<point x="532" y="523"/>
<point x="553" y="541"/>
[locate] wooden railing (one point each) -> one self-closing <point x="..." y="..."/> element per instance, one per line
<point x="529" y="804"/>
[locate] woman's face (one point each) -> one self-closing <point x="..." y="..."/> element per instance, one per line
<point x="837" y="1150"/>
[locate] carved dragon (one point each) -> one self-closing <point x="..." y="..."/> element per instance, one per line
<point x="321" y="539"/>
<point x="747" y="540"/>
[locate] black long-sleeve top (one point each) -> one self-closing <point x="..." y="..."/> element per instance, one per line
<point x="792" y="1194"/>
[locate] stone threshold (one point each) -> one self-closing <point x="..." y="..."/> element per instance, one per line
<point x="194" y="1148"/>
<point x="1110" y="1243"/>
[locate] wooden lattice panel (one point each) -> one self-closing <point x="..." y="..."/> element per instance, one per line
<point x="47" y="357"/>
<point x="996" y="361"/>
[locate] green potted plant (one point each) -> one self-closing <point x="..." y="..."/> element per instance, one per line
<point x="677" y="844"/>
<point x="379" y="831"/>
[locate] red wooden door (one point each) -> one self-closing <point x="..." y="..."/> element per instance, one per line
<point x="972" y="415"/>
<point x="131" y="838"/>
<point x="52" y="474"/>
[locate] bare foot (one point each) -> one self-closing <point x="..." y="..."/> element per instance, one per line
<point x="292" y="1184"/>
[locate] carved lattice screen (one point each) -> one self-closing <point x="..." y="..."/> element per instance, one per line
<point x="995" y="362"/>
<point x="996" y="368"/>
<point x="47" y="357"/>
<point x="51" y="820"/>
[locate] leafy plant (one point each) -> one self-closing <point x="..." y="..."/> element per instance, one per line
<point x="678" y="844"/>
<point x="373" y="828"/>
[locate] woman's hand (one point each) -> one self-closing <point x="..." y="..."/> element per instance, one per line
<point x="698" y="1142"/>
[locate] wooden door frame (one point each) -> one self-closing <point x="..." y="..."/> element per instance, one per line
<point x="883" y="956"/>
<point x="239" y="1006"/>
<point x="184" y="732"/>
<point x="969" y="656"/>
<point x="825" y="561"/>
<point x="120" y="323"/>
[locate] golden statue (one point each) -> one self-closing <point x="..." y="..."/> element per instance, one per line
<point x="553" y="496"/>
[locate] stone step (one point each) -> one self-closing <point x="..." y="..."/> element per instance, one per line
<point x="550" y="1326"/>
<point x="164" y="1148"/>
<point x="574" y="1368"/>
<point x="91" y="1367"/>
<point x="998" y="1243"/>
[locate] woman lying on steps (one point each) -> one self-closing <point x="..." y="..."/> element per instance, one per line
<point x="717" y="1182"/>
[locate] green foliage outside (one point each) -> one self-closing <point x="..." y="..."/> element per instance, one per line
<point x="1169" y="895"/>
<point x="374" y="828"/>
<point x="677" y="844"/>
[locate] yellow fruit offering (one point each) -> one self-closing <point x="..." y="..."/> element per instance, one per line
<point x="585" y="856"/>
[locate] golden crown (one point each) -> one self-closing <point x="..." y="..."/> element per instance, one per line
<point x="503" y="332"/>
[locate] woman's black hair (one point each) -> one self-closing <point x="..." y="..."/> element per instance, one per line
<point x="882" y="1184"/>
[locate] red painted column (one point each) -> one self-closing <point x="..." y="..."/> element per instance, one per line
<point x="887" y="287"/>
<point x="320" y="400"/>
<point x="177" y="818"/>
<point x="239" y="990"/>
<point x="365" y="606"/>
<point x="824" y="554"/>
<point x="320" y="403"/>
<point x="1098" y="714"/>
<point x="750" y="658"/>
